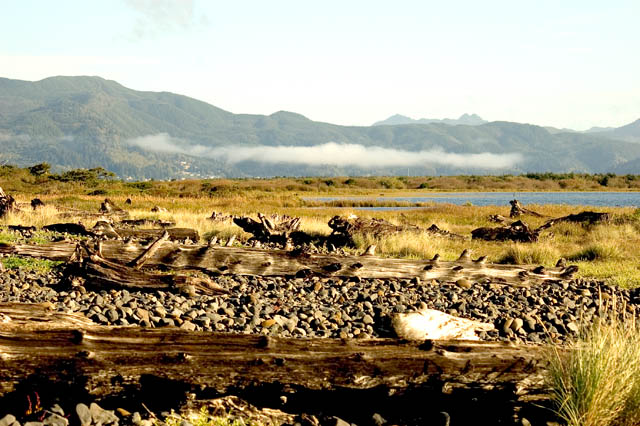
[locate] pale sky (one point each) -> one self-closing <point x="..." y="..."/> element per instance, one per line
<point x="568" y="63"/>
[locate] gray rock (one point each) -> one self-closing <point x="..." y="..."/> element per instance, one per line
<point x="7" y="420"/>
<point x="55" y="420"/>
<point x="378" y="420"/>
<point x="102" y="416"/>
<point x="337" y="421"/>
<point x="84" y="415"/>
<point x="57" y="409"/>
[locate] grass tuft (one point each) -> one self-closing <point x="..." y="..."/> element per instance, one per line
<point x="600" y="252"/>
<point x="527" y="254"/>
<point x="596" y="382"/>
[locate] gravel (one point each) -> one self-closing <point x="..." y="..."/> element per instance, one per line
<point x="332" y="307"/>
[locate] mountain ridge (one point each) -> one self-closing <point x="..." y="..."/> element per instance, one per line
<point x="86" y="121"/>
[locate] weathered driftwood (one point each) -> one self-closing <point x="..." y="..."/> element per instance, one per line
<point x="252" y="261"/>
<point x="584" y="217"/>
<point x="107" y="230"/>
<point x="101" y="273"/>
<point x="7" y="203"/>
<point x="348" y="227"/>
<point x="517" y="231"/>
<point x="133" y="223"/>
<point x="433" y="324"/>
<point x="219" y="217"/>
<point x="272" y="228"/>
<point x="69" y="228"/>
<point x="175" y="234"/>
<point x="108" y="206"/>
<point x="158" y="209"/>
<point x="517" y="209"/>
<point x="36" y="342"/>
<point x="498" y="218"/>
<point x="520" y="232"/>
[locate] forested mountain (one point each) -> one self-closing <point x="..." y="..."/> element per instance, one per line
<point x="74" y="122"/>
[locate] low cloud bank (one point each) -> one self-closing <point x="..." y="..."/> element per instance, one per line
<point x="328" y="154"/>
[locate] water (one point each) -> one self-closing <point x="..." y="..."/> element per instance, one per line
<point x="597" y="199"/>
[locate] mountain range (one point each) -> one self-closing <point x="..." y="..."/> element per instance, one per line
<point x="83" y="122"/>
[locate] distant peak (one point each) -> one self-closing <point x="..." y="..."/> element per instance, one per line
<point x="466" y="119"/>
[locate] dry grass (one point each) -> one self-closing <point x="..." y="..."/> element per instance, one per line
<point x="606" y="251"/>
<point x="596" y="382"/>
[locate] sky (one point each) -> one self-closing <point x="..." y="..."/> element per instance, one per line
<point x="569" y="64"/>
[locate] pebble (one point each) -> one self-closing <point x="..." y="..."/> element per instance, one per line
<point x="331" y="307"/>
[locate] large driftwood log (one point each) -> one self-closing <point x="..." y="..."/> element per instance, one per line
<point x="133" y="223"/>
<point x="251" y="261"/>
<point x="517" y="209"/>
<point x="175" y="234"/>
<point x="7" y="203"/>
<point x="101" y="273"/>
<point x="516" y="231"/>
<point x="583" y="217"/>
<point x="274" y="228"/>
<point x="106" y="360"/>
<point x="348" y="227"/>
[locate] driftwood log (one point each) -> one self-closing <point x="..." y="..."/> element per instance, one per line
<point x="517" y="231"/>
<point x="219" y="217"/>
<point x="348" y="227"/>
<point x="109" y="207"/>
<point x="7" y="203"/>
<point x="272" y="228"/>
<point x="517" y="209"/>
<point x="582" y="217"/>
<point x="134" y="223"/>
<point x="252" y="261"/>
<point x="37" y="342"/>
<point x="88" y="265"/>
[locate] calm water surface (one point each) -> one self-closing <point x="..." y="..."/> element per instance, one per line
<point x="599" y="199"/>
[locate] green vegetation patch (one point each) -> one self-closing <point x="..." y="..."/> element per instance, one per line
<point x="29" y="263"/>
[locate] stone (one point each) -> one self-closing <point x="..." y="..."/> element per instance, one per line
<point x="378" y="420"/>
<point x="337" y="421"/>
<point x="464" y="283"/>
<point x="136" y="418"/>
<point x="367" y="319"/>
<point x="517" y="324"/>
<point x="31" y="424"/>
<point x="83" y="414"/>
<point x="55" y="420"/>
<point x="7" y="420"/>
<point x="188" y="325"/>
<point x="57" y="409"/>
<point x="268" y="323"/>
<point x="572" y="326"/>
<point x="102" y="416"/>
